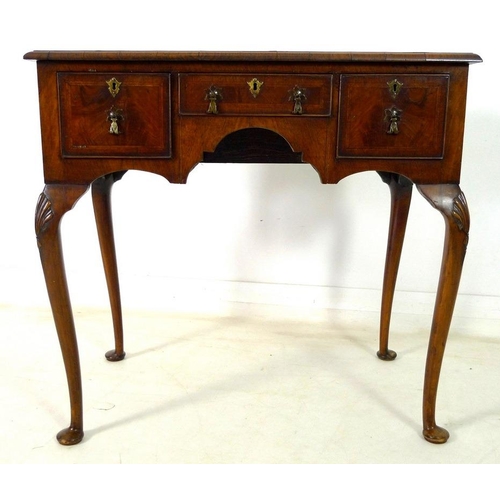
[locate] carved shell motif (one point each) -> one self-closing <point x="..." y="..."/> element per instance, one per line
<point x="43" y="213"/>
<point x="460" y="213"/>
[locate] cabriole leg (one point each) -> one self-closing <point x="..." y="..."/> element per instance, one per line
<point x="401" y="190"/>
<point x="450" y="201"/>
<point x="52" y="204"/>
<point x="101" y="198"/>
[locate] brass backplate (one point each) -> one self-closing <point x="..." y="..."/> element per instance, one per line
<point x="113" y="86"/>
<point x="255" y="86"/>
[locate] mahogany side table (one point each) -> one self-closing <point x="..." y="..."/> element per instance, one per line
<point x="399" y="114"/>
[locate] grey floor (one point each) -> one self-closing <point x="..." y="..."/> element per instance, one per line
<point x="247" y="384"/>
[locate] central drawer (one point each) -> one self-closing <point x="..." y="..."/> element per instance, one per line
<point x="255" y="94"/>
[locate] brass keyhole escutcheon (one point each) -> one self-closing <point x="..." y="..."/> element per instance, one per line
<point x="394" y="87"/>
<point x="113" y="86"/>
<point x="254" y="86"/>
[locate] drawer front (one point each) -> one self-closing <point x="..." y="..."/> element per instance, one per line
<point x="392" y="116"/>
<point x="255" y="94"/>
<point x="115" y="115"/>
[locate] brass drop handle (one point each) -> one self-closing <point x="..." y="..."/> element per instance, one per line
<point x="298" y="95"/>
<point x="115" y="116"/>
<point x="213" y="94"/>
<point x="393" y="116"/>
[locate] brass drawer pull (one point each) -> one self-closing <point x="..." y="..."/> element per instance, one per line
<point x="393" y="116"/>
<point x="213" y="94"/>
<point x="115" y="116"/>
<point x="298" y="95"/>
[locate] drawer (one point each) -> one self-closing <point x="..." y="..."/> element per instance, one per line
<point x="255" y="94"/>
<point x="392" y="116"/>
<point x="115" y="115"/>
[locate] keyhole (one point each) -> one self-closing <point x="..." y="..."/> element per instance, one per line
<point x="394" y="87"/>
<point x="113" y="86"/>
<point x="254" y="86"/>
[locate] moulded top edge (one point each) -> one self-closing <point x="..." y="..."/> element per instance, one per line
<point x="271" y="56"/>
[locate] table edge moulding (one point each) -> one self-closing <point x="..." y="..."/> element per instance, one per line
<point x="401" y="115"/>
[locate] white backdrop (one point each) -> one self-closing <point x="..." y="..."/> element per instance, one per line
<point x="250" y="232"/>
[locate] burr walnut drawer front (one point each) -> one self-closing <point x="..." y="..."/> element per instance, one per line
<point x="392" y="116"/>
<point x="115" y="115"/>
<point x="255" y="94"/>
